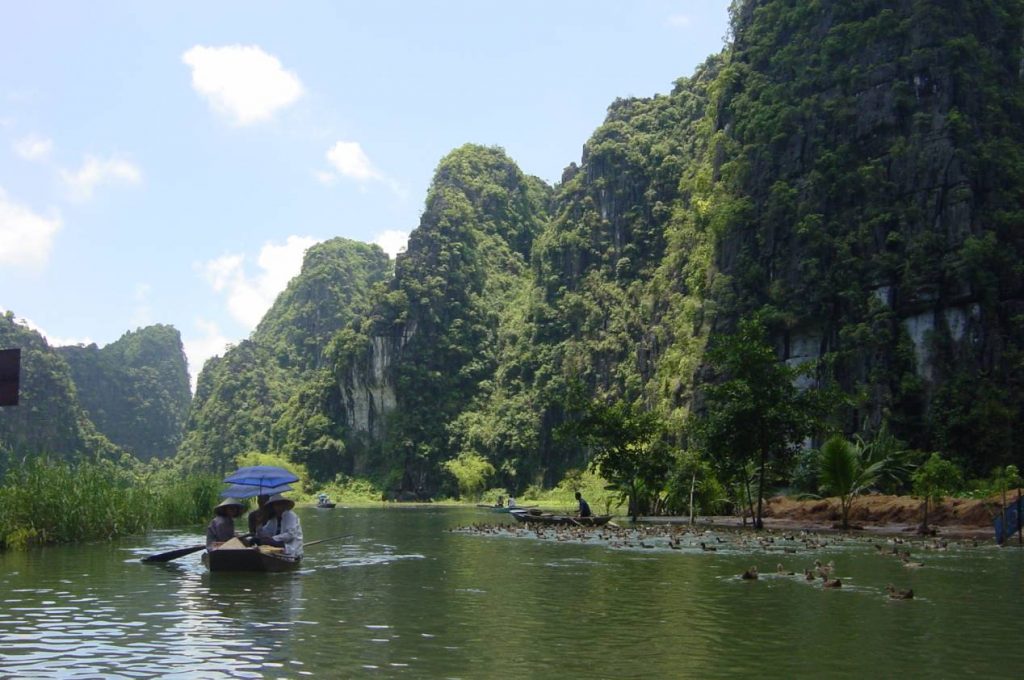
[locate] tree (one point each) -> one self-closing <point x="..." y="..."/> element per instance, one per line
<point x="627" y="449"/>
<point x="845" y="471"/>
<point x="754" y="411"/>
<point x="471" y="473"/>
<point x="935" y="478"/>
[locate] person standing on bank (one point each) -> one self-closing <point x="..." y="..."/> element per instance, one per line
<point x="584" y="506"/>
<point x="283" y="528"/>
<point x="222" y="527"/>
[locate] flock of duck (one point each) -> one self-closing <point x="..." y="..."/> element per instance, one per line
<point x="676" y="537"/>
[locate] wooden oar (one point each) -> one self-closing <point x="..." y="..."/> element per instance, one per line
<point x="174" y="554"/>
<point x="332" y="538"/>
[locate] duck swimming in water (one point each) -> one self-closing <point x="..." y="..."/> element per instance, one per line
<point x="895" y="594"/>
<point x="749" y="574"/>
<point x="831" y="583"/>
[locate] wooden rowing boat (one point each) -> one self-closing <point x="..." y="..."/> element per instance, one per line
<point x="233" y="556"/>
<point x="537" y="517"/>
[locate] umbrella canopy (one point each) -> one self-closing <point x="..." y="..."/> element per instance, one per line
<point x="261" y="476"/>
<point x="246" y="491"/>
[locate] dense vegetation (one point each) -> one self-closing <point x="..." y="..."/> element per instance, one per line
<point x="260" y="383"/>
<point x="135" y="390"/>
<point x="49" y="420"/>
<point x="847" y="173"/>
<point x="56" y="502"/>
<point x="816" y="236"/>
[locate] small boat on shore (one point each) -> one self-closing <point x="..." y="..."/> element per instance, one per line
<point x="233" y="556"/>
<point x="327" y="505"/>
<point x="504" y="508"/>
<point x="538" y="517"/>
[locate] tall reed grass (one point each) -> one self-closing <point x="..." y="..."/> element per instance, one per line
<point x="45" y="502"/>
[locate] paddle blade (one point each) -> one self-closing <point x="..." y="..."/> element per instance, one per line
<point x="173" y="554"/>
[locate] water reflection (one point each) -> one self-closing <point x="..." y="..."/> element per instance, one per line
<point x="406" y="597"/>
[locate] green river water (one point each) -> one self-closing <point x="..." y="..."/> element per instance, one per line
<point x="413" y="593"/>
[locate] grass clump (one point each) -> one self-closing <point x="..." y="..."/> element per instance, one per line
<point x="54" y="502"/>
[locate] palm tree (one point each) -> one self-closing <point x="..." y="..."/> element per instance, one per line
<point x="845" y="472"/>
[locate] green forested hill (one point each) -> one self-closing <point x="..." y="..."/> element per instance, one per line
<point x="850" y="172"/>
<point x="241" y="396"/>
<point x="48" y="420"/>
<point x="870" y="155"/>
<point x="135" y="390"/>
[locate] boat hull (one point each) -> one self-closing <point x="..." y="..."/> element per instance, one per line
<point x="547" y="518"/>
<point x="247" y="559"/>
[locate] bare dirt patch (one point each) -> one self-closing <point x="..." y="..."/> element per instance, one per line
<point x="878" y="513"/>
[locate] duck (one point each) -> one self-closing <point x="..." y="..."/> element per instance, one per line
<point x="781" y="572"/>
<point x="831" y="583"/>
<point x="707" y="548"/>
<point x="895" y="594"/>
<point x="808" y="575"/>
<point x="749" y="574"/>
<point x="910" y="565"/>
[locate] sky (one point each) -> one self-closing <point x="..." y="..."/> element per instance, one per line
<point x="171" y="162"/>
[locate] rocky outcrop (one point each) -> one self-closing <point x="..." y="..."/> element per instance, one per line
<point x="870" y="147"/>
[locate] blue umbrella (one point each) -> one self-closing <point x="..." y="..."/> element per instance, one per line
<point x="245" y="491"/>
<point x="261" y="476"/>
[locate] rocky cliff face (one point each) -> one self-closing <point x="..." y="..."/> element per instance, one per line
<point x="431" y="343"/>
<point x="368" y="385"/>
<point x="243" y="397"/>
<point x="873" y="150"/>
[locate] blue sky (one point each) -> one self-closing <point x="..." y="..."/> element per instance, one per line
<point x="169" y="163"/>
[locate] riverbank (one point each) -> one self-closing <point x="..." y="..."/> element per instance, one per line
<point x="876" y="513"/>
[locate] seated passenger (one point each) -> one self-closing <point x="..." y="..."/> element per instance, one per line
<point x="222" y="527"/>
<point x="282" y="529"/>
<point x="258" y="516"/>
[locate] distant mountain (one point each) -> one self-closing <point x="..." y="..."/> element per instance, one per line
<point x="241" y="396"/>
<point x="135" y="390"/>
<point x="49" y="419"/>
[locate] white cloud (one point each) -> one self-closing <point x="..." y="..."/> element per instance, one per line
<point x="34" y="148"/>
<point x="96" y="171"/>
<point x="210" y="343"/>
<point x="26" y="238"/>
<point x="349" y="159"/>
<point x="680" y="21"/>
<point x="53" y="340"/>
<point x="325" y="177"/>
<point x="392" y="241"/>
<point x="242" y="82"/>
<point x="250" y="296"/>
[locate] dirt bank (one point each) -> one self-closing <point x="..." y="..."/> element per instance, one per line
<point x="878" y="514"/>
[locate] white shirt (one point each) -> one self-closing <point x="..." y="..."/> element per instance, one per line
<point x="290" y="533"/>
